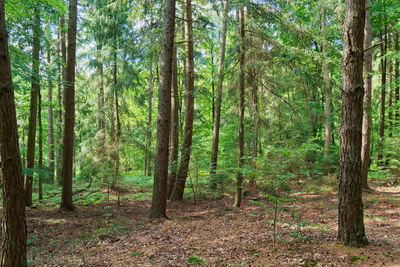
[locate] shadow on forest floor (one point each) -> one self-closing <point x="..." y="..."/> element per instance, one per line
<point x="214" y="233"/>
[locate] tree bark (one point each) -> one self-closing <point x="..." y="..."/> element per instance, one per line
<point x="159" y="198"/>
<point x="390" y="94"/>
<point x="179" y="187"/>
<point x="325" y="67"/>
<point x="13" y="211"/>
<point x="383" y="98"/>
<point x="366" y="126"/>
<point x="218" y="100"/>
<point x="350" y="211"/>
<point x="173" y="159"/>
<point x="397" y="77"/>
<point x="239" y="175"/>
<point x="40" y="145"/>
<point x="50" y="177"/>
<point x="30" y="161"/>
<point x="69" y="117"/>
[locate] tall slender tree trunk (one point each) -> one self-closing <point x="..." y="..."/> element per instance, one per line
<point x="325" y="67"/>
<point x="30" y="162"/>
<point x="383" y="98"/>
<point x="100" y="96"/>
<point x="69" y="118"/>
<point x="159" y="198"/>
<point x="149" y="130"/>
<point x="13" y="212"/>
<point x="50" y="178"/>
<point x="218" y="100"/>
<point x="179" y="186"/>
<point x="366" y="125"/>
<point x="61" y="101"/>
<point x="174" y="150"/>
<point x="350" y="211"/>
<point x="40" y="145"/>
<point x="239" y="175"/>
<point x="390" y="92"/>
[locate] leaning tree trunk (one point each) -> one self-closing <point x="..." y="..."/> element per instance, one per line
<point x="50" y="177"/>
<point x="69" y="117"/>
<point x="239" y="175"/>
<point x="328" y="122"/>
<point x="174" y="150"/>
<point x="30" y="161"/>
<point x="218" y="100"/>
<point x="366" y="125"/>
<point x="13" y="212"/>
<point x="179" y="187"/>
<point x="350" y="211"/>
<point x="159" y="198"/>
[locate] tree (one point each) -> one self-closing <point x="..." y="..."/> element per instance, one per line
<point x="179" y="187"/>
<point x="30" y="161"/>
<point x="325" y="67"/>
<point x="239" y="175"/>
<point x="351" y="222"/>
<point x="69" y="117"/>
<point x="218" y="100"/>
<point x="147" y="169"/>
<point x="159" y="198"/>
<point x="13" y="212"/>
<point x="366" y="125"/>
<point x="50" y="178"/>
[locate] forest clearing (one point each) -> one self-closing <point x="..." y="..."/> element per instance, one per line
<point x="200" y="132"/>
<point x="211" y="232"/>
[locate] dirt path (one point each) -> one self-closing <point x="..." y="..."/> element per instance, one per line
<point x="212" y="233"/>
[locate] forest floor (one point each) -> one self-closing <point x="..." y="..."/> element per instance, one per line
<point x="212" y="233"/>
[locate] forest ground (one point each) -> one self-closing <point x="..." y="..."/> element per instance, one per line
<point x="212" y="233"/>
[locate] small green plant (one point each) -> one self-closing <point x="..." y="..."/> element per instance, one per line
<point x="31" y="240"/>
<point x="357" y="258"/>
<point x="196" y="260"/>
<point x="136" y="253"/>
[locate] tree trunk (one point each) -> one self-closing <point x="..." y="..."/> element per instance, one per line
<point x="179" y="186"/>
<point x="69" y="118"/>
<point x="40" y="145"/>
<point x="383" y="98"/>
<point x="61" y="100"/>
<point x="218" y="100"/>
<point x="149" y="131"/>
<point x="366" y="126"/>
<point x="100" y="96"/>
<point x="173" y="159"/>
<point x="350" y="211"/>
<point x="159" y="198"/>
<point x="328" y="122"/>
<point x="239" y="175"/>
<point x="30" y="162"/>
<point x="13" y="211"/>
<point x="390" y="93"/>
<point x="50" y="177"/>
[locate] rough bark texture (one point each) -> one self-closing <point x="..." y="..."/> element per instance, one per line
<point x="179" y="186"/>
<point x="13" y="211"/>
<point x="239" y="175"/>
<point x="50" y="177"/>
<point x="383" y="98"/>
<point x="174" y="150"/>
<point x="350" y="211"/>
<point x="218" y="100"/>
<point x="159" y="199"/>
<point x="69" y="117"/>
<point x="366" y="126"/>
<point x="30" y="160"/>
<point x="325" y="67"/>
